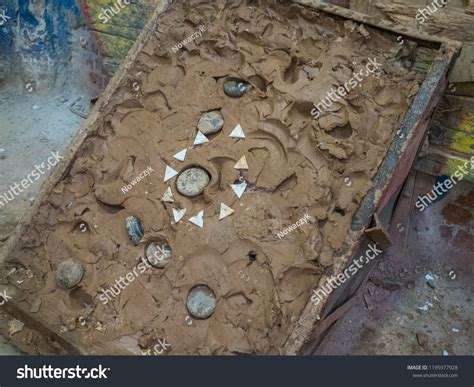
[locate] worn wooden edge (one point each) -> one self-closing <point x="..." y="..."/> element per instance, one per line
<point x="396" y="164"/>
<point x="379" y="23"/>
<point x="302" y="330"/>
<point x="62" y="168"/>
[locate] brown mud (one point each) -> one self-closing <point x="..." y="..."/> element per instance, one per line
<point x="297" y="165"/>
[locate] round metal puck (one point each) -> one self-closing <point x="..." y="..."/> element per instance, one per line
<point x="201" y="302"/>
<point x="158" y="254"/>
<point x="192" y="181"/>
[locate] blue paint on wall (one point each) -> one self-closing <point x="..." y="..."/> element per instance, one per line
<point x="6" y="37"/>
<point x="45" y="31"/>
<point x="26" y="17"/>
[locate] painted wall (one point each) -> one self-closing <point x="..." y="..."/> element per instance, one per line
<point x="115" y="25"/>
<point x="7" y="23"/>
<point x="36" y="39"/>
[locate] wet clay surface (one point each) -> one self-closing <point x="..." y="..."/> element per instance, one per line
<point x="292" y="56"/>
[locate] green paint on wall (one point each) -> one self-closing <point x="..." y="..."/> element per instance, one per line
<point x="463" y="139"/>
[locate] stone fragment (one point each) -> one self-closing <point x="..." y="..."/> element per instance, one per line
<point x="168" y="196"/>
<point x="181" y="155"/>
<point x="169" y="173"/>
<point x="225" y="211"/>
<point x="237" y="88"/>
<point x="200" y="139"/>
<point x="242" y="163"/>
<point x="134" y="228"/>
<point x="237" y="132"/>
<point x="178" y="214"/>
<point x="210" y="122"/>
<point x="198" y="220"/>
<point x="68" y="274"/>
<point x="239" y="189"/>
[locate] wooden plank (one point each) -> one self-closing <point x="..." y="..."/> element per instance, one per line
<point x="448" y="22"/>
<point x="422" y="37"/>
<point x="464" y="69"/>
<point x="470" y="8"/>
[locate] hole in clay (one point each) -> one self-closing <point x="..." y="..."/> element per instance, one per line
<point x="109" y="208"/>
<point x="249" y="37"/>
<point x="292" y="72"/>
<point x="82" y="228"/>
<point x="252" y="255"/>
<point x="340" y="211"/>
<point x="342" y="132"/>
<point x="79" y="298"/>
<point x="258" y="82"/>
<point x="301" y="110"/>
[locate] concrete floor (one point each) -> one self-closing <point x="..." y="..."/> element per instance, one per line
<point x="31" y="127"/>
<point x="419" y="299"/>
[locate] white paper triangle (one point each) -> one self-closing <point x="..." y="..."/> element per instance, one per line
<point x="198" y="220"/>
<point x="200" y="138"/>
<point x="237" y="132"/>
<point x="239" y="189"/>
<point x="178" y="214"/>
<point x="242" y="163"/>
<point x="168" y="196"/>
<point x="181" y="155"/>
<point x="225" y="211"/>
<point x="169" y="173"/>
